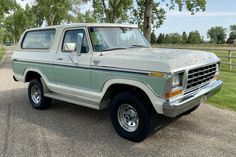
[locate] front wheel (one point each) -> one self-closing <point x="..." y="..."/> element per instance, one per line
<point x="36" y="95"/>
<point x="130" y="117"/>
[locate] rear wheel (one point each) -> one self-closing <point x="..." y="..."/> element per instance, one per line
<point x="131" y="117"/>
<point x="36" y="95"/>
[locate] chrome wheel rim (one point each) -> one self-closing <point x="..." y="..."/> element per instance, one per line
<point x="128" y="118"/>
<point x="35" y="94"/>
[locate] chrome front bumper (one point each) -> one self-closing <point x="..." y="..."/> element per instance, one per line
<point x="185" y="103"/>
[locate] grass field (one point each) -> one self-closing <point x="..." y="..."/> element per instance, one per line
<point x="226" y="98"/>
<point x="1" y="52"/>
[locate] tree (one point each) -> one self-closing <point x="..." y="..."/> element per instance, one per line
<point x="176" y="38"/>
<point x="191" y="5"/>
<point x="6" y="6"/>
<point x="31" y="17"/>
<point x="111" y="11"/>
<point x="232" y="34"/>
<point x="55" y="11"/>
<point x="167" y="39"/>
<point x="87" y="17"/>
<point x="153" y="38"/>
<point x="184" y="38"/>
<point x="16" y="23"/>
<point x="217" y="35"/>
<point x="147" y="18"/>
<point x="194" y="37"/>
<point x="1" y="35"/>
<point x="38" y="15"/>
<point x="160" y="39"/>
<point x="158" y="14"/>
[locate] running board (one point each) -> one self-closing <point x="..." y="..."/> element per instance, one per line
<point x="70" y="99"/>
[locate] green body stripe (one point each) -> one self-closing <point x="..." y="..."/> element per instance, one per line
<point x="88" y="78"/>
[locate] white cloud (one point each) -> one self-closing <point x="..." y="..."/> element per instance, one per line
<point x="200" y="14"/>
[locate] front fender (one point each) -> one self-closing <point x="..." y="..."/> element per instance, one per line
<point x="156" y="100"/>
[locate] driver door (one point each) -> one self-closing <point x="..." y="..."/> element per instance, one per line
<point x="72" y="69"/>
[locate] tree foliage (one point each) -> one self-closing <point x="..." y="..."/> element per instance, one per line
<point x="194" y="37"/>
<point x="55" y="11"/>
<point x="153" y="38"/>
<point x="15" y="24"/>
<point x="217" y="35"/>
<point x="160" y="38"/>
<point x="176" y="38"/>
<point x="233" y="31"/>
<point x="184" y="38"/>
<point x="6" y="6"/>
<point x="111" y="11"/>
<point x="148" y="14"/>
<point x="86" y="17"/>
<point x="191" y="5"/>
<point x="232" y="35"/>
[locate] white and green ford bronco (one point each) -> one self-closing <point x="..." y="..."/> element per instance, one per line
<point x="113" y="66"/>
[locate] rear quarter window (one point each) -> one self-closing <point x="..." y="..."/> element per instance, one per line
<point x="38" y="39"/>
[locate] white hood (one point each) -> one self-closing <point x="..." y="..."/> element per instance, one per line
<point x="153" y="59"/>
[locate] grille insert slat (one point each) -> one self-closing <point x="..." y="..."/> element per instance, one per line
<point x="200" y="75"/>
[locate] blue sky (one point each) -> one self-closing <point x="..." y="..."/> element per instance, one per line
<point x="218" y="13"/>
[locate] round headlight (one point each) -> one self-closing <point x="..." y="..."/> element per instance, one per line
<point x="176" y="81"/>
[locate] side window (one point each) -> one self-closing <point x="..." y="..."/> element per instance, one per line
<point x="38" y="39"/>
<point x="75" y="37"/>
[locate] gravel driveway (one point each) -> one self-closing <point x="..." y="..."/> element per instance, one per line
<point x="68" y="130"/>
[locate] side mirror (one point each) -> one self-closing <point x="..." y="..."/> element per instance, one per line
<point x="69" y="47"/>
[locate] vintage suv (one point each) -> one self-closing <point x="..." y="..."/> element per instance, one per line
<point x="112" y="65"/>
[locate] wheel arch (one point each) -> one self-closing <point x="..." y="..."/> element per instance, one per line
<point x="32" y="73"/>
<point x="113" y="86"/>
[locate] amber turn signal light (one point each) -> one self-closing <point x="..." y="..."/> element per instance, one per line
<point x="157" y="74"/>
<point x="173" y="93"/>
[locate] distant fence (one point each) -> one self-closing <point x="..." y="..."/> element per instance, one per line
<point x="229" y="60"/>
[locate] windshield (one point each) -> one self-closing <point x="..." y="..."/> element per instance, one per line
<point x="115" y="38"/>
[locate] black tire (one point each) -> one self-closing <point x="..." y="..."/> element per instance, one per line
<point x="191" y="110"/>
<point x="41" y="103"/>
<point x="144" y="115"/>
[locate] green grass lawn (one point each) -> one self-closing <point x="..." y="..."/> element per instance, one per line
<point x="226" y="98"/>
<point x="1" y="52"/>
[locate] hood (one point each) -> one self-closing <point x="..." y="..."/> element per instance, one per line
<point x="153" y="59"/>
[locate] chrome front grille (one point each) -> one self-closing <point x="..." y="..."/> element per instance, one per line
<point x="201" y="75"/>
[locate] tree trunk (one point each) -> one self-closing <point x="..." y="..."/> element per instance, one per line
<point x="106" y="11"/>
<point x="147" y="19"/>
<point x="115" y="7"/>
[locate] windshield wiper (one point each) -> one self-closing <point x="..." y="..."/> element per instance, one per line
<point x="135" y="45"/>
<point x="116" y="48"/>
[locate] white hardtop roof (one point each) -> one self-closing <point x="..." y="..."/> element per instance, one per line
<point x="87" y="25"/>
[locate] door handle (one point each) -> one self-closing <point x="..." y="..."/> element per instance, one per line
<point x="60" y="59"/>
